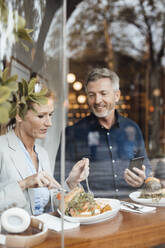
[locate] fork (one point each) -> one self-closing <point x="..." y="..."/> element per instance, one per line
<point x="87" y="184"/>
<point x="131" y="205"/>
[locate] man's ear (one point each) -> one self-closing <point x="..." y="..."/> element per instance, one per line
<point x="117" y="95"/>
<point x="18" y="118"/>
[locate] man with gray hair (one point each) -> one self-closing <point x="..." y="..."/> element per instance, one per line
<point x="120" y="140"/>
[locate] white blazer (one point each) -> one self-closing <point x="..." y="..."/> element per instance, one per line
<point x="13" y="168"/>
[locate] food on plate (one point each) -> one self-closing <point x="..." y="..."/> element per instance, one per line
<point x="152" y="189"/>
<point x="78" y="203"/>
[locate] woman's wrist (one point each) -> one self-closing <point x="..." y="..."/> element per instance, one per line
<point x="22" y="185"/>
<point x="71" y="184"/>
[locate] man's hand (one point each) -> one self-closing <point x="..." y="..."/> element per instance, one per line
<point x="135" y="180"/>
<point x="41" y="179"/>
<point x="79" y="172"/>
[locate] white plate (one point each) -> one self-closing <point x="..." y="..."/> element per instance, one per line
<point x="151" y="202"/>
<point x="115" y="204"/>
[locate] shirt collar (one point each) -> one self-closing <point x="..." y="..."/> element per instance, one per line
<point x="96" y="123"/>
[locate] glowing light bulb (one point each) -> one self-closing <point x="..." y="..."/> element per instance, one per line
<point x="77" y="86"/>
<point x="71" y="77"/>
<point x="81" y="98"/>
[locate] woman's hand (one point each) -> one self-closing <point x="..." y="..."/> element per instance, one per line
<point x="135" y="180"/>
<point x="79" y="172"/>
<point x="41" y="179"/>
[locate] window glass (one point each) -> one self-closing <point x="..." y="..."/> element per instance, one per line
<point x="112" y="116"/>
<point x="107" y="37"/>
<point x="32" y="45"/>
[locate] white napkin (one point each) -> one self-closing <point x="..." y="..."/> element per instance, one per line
<point x="54" y="223"/>
<point x="127" y="206"/>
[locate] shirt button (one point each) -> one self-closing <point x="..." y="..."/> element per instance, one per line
<point x="108" y="133"/>
<point x="115" y="175"/>
<point x="113" y="161"/>
<point x="117" y="190"/>
<point x="110" y="147"/>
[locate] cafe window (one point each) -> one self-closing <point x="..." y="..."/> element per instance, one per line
<point x="32" y="43"/>
<point x="104" y="39"/>
<point x="60" y="43"/>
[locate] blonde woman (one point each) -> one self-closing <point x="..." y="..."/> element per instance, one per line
<point x="25" y="175"/>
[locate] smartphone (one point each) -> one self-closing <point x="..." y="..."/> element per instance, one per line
<point x="136" y="162"/>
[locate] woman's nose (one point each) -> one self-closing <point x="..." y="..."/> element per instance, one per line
<point x="48" y="121"/>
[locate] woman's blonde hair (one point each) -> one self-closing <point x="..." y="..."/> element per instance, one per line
<point x="40" y="97"/>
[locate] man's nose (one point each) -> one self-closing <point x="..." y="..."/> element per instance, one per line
<point x="98" y="98"/>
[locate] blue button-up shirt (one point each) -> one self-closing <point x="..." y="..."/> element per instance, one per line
<point x="109" y="151"/>
<point x="41" y="194"/>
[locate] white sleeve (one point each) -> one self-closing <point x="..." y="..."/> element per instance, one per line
<point x="11" y="195"/>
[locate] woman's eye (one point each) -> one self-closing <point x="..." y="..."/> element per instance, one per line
<point x="40" y="116"/>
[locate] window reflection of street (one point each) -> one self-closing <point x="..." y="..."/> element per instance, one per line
<point x="93" y="142"/>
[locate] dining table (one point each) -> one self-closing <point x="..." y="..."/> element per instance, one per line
<point x="126" y="229"/>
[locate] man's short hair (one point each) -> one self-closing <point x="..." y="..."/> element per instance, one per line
<point x="99" y="73"/>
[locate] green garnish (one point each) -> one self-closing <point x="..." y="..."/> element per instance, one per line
<point x="78" y="202"/>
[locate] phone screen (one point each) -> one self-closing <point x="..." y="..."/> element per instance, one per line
<point x="136" y="162"/>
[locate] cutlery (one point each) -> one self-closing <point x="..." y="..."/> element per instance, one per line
<point x="87" y="184"/>
<point x="132" y="205"/>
